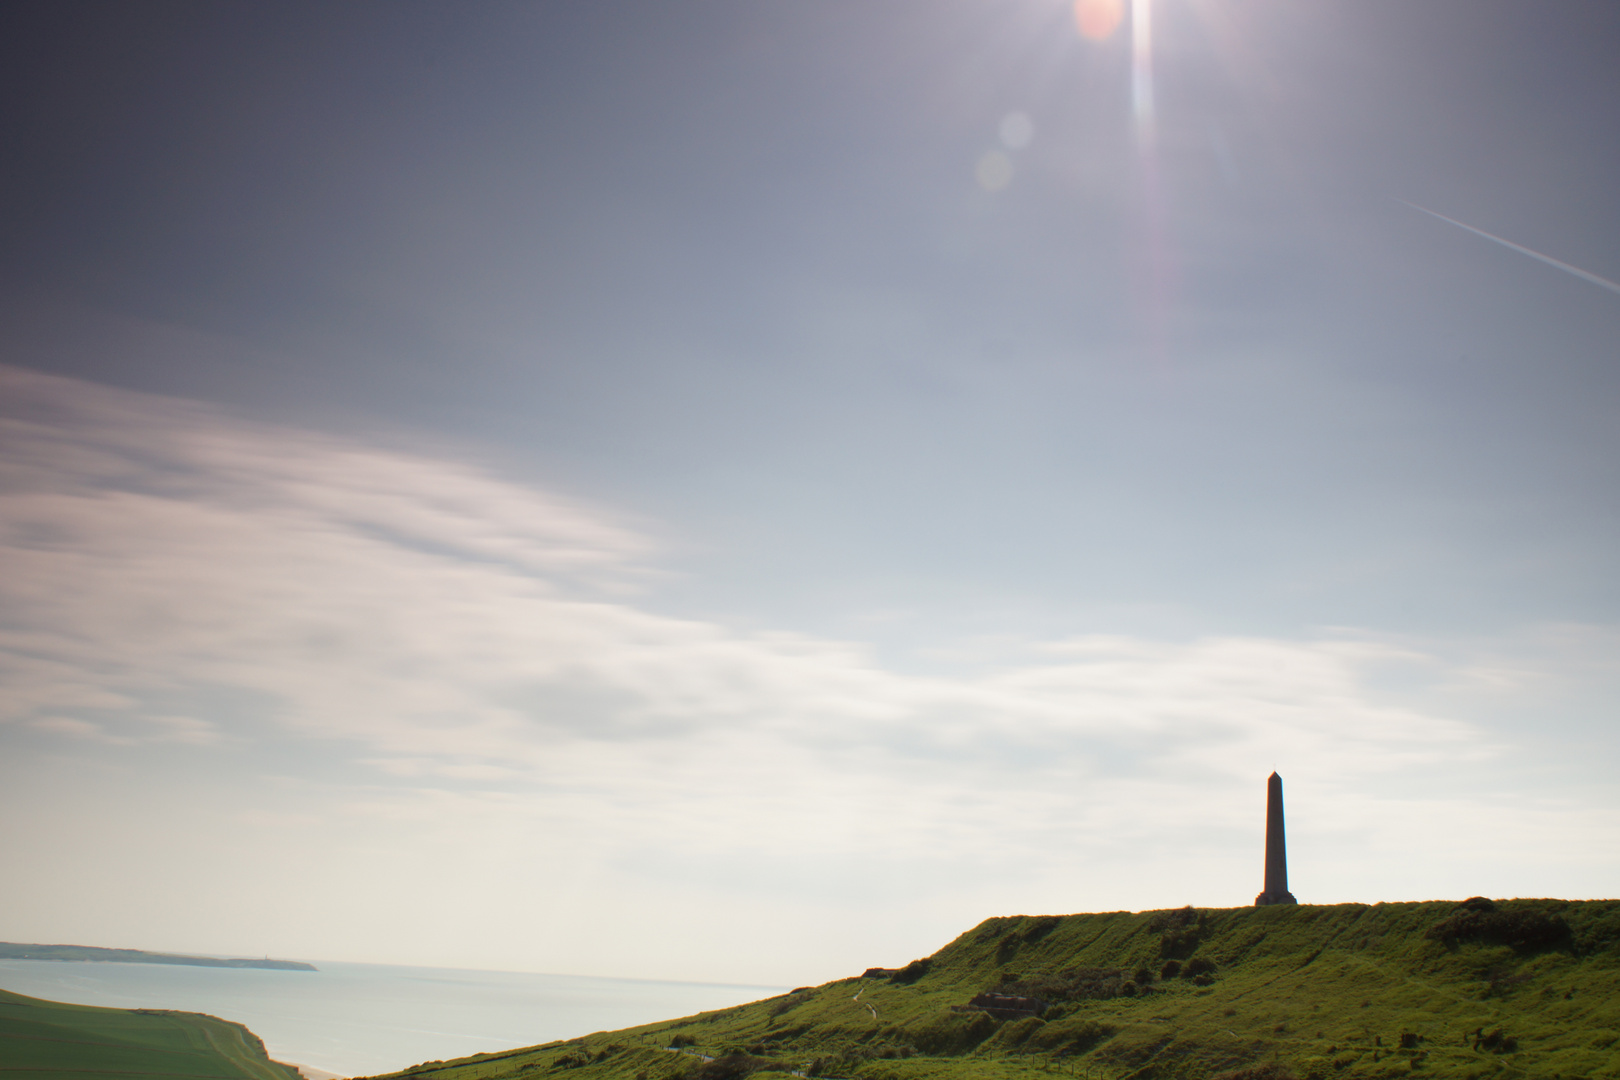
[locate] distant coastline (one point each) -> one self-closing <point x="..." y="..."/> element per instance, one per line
<point x="10" y="950"/>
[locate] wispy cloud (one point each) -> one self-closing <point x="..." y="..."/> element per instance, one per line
<point x="459" y="654"/>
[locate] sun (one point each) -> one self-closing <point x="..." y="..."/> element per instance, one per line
<point x="1097" y="19"/>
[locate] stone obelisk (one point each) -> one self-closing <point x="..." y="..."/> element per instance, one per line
<point x="1276" y="849"/>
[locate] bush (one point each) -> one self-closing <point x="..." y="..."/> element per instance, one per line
<point x="1180" y="941"/>
<point x="1076" y="984"/>
<point x="733" y="1066"/>
<point x="1198" y="965"/>
<point x="1173" y="919"/>
<point x="1170" y="970"/>
<point x="912" y="971"/>
<point x="1522" y="929"/>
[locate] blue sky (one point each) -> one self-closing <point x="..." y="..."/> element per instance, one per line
<point x="794" y="480"/>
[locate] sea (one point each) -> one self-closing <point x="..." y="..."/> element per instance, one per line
<point x="364" y="1019"/>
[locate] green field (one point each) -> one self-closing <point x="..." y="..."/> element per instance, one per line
<point x="1522" y="988"/>
<point x="48" y="1040"/>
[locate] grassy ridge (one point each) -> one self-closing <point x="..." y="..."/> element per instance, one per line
<point x="1523" y="988"/>
<point x="49" y="1039"/>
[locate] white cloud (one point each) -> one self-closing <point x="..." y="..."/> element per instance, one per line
<point x="184" y="729"/>
<point x="77" y="729"/>
<point x="457" y="663"/>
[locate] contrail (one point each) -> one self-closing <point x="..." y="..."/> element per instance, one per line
<point x="1548" y="259"/>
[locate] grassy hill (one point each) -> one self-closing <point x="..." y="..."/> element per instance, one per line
<point x="49" y="1040"/>
<point x="1522" y="988"/>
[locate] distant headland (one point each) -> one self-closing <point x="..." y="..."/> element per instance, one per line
<point x="10" y="950"/>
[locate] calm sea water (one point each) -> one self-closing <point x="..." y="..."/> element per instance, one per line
<point x="361" y="1019"/>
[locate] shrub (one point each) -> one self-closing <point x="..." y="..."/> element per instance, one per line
<point x="1076" y="984"/>
<point x="1179" y="943"/>
<point x="1198" y="965"/>
<point x="1170" y="970"/>
<point x="733" y="1066"/>
<point x="1173" y="919"/>
<point x="1518" y="928"/>
<point x="912" y="971"/>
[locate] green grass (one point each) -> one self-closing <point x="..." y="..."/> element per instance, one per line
<point x="49" y="1040"/>
<point x="1524" y="988"/>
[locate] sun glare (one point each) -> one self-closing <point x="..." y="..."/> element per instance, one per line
<point x="1098" y="19"/>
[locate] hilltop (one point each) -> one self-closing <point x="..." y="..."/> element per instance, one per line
<point x="1520" y="988"/>
<point x="87" y="1042"/>
<point x="11" y="950"/>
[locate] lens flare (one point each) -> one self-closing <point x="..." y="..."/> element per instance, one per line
<point x="1156" y="266"/>
<point x="995" y="171"/>
<point x="1142" y="67"/>
<point x="1098" y="19"/>
<point x="1016" y="130"/>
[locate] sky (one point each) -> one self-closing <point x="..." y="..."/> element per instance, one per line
<point x="744" y="490"/>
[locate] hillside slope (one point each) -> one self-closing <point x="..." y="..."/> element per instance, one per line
<point x="51" y="1039"/>
<point x="1522" y="988"/>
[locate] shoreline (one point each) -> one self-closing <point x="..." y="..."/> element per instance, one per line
<point x="310" y="1072"/>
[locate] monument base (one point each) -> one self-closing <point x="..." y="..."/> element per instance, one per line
<point x="1266" y="899"/>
